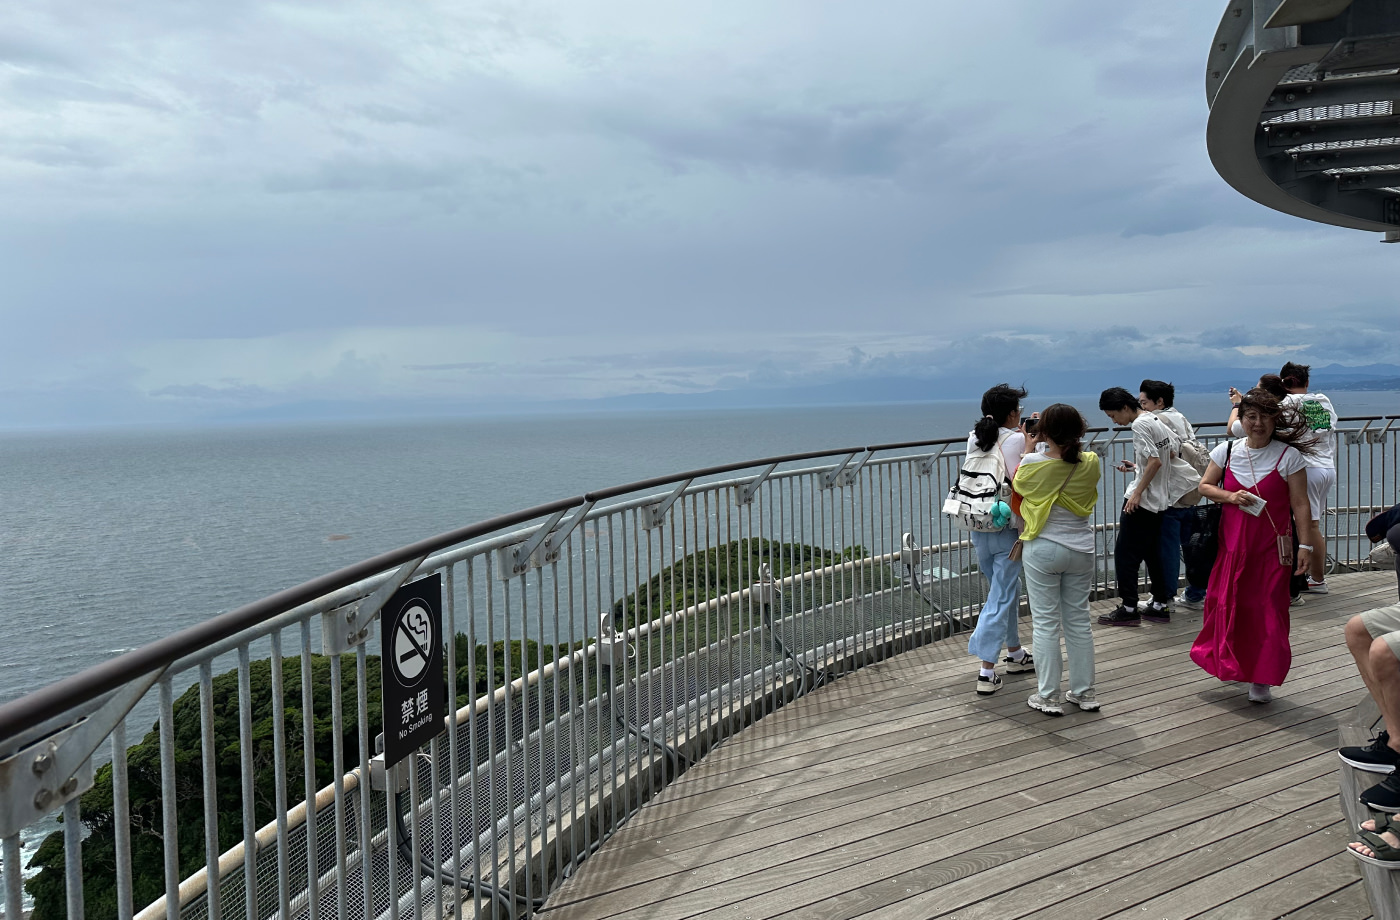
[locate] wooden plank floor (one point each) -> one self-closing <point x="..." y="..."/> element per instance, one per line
<point x="897" y="792"/>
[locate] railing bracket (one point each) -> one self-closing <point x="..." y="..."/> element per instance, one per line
<point x="927" y="464"/>
<point x="541" y="549"/>
<point x="654" y="515"/>
<point x="46" y="775"/>
<point x="830" y="476"/>
<point x="346" y="627"/>
<point x="748" y="490"/>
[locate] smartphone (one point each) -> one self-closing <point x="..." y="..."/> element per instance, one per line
<point x="1031" y="425"/>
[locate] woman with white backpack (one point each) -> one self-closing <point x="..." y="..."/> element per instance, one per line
<point x="997" y="442"/>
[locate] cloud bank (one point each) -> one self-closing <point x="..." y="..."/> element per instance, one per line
<point x="250" y="204"/>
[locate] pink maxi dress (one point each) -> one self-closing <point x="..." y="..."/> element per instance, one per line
<point x="1245" y="633"/>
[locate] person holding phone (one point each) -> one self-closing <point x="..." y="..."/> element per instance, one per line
<point x="1140" y="523"/>
<point x="1258" y="479"/>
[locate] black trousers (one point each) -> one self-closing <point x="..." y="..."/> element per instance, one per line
<point x="1139" y="541"/>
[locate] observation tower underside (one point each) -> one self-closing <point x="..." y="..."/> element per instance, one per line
<point x="1303" y="108"/>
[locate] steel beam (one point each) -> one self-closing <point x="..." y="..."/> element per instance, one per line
<point x="1381" y="178"/>
<point x="1346" y="158"/>
<point x="1318" y="94"/>
<point x="1332" y="130"/>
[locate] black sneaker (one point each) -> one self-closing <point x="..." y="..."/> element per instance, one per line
<point x="1384" y="796"/>
<point x="1376" y="757"/>
<point x="1157" y="613"/>
<point x="1120" y="617"/>
<point x="1019" y="667"/>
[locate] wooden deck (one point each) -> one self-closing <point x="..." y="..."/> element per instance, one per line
<point x="897" y="792"/>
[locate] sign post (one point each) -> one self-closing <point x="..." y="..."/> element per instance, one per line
<point x="411" y="674"/>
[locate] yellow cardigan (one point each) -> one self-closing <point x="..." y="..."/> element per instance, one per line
<point x="1038" y="484"/>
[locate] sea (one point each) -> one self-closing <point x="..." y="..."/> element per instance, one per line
<point x="113" y="538"/>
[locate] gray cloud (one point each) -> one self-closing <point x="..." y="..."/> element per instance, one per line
<point x="349" y="174"/>
<point x="631" y="196"/>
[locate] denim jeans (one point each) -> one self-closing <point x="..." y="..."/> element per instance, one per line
<point x="996" y="625"/>
<point x="1058" y="581"/>
<point x="1177" y="524"/>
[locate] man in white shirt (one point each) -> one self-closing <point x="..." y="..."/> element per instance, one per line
<point x="1316" y="410"/>
<point x="1157" y="397"/>
<point x="1140" y="524"/>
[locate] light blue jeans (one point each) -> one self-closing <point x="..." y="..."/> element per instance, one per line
<point x="996" y="625"/>
<point x="1057" y="582"/>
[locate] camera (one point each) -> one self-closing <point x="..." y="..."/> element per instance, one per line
<point x="1031" y="425"/>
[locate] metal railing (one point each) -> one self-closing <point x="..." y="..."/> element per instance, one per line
<point x="595" y="648"/>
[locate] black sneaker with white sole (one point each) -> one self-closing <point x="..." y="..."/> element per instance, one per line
<point x="1384" y="796"/>
<point x="1121" y="616"/>
<point x="1376" y="757"/>
<point x="1021" y="666"/>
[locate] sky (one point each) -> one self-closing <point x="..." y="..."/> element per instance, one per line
<point x="220" y="207"/>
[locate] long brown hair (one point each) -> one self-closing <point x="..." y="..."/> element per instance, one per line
<point x="1289" y="425"/>
<point x="1064" y="425"/>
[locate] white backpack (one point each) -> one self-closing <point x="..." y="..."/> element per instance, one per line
<point x="981" y="483"/>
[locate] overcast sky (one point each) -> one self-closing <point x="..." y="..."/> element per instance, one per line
<point x="217" y="205"/>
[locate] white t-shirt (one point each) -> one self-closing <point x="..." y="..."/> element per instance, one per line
<point x="1011" y="449"/>
<point x="1063" y="526"/>
<point x="1151" y="439"/>
<point x="1317" y="411"/>
<point x="1245" y="461"/>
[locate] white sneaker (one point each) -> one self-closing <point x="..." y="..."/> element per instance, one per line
<point x="1383" y="554"/>
<point x="1316" y="587"/>
<point x="1049" y="707"/>
<point x="1087" y="702"/>
<point x="1260" y="693"/>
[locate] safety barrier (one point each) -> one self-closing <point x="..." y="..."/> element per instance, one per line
<point x="595" y="647"/>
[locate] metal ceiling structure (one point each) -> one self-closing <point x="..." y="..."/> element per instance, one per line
<point x="1305" y="108"/>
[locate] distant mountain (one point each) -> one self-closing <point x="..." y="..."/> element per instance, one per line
<point x="1042" y="384"/>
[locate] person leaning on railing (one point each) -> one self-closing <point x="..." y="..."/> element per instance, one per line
<point x="1244" y="636"/>
<point x="1059" y="487"/>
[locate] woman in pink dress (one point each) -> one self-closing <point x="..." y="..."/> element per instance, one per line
<point x="1259" y="479"/>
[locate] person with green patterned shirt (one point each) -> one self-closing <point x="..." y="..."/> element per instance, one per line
<point x="1317" y="411"/>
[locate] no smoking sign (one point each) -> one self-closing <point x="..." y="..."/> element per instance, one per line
<point x="411" y="675"/>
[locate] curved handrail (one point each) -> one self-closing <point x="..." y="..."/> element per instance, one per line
<point x="33" y="709"/>
<point x="62" y="696"/>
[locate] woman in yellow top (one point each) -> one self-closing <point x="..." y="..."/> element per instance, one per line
<point x="1059" y="487"/>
